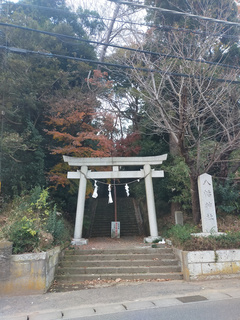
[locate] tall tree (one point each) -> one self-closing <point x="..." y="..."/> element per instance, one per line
<point x="28" y="81"/>
<point x="183" y="96"/>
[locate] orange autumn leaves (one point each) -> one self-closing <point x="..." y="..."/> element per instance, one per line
<point x="79" y="131"/>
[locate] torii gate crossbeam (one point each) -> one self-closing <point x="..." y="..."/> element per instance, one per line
<point x="83" y="174"/>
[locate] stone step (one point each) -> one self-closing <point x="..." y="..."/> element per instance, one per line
<point x="120" y="257"/>
<point x="141" y="263"/>
<point x="104" y="215"/>
<point x="135" y="276"/>
<point x="140" y="250"/>
<point x="119" y="270"/>
<point x="118" y="263"/>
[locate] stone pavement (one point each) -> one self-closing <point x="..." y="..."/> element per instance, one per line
<point x="118" y="297"/>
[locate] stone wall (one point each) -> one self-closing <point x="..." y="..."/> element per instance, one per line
<point x="206" y="265"/>
<point x="29" y="273"/>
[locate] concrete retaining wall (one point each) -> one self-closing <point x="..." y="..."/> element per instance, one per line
<point x="29" y="273"/>
<point x="206" y="265"/>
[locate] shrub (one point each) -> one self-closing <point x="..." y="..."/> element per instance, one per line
<point x="227" y="197"/>
<point x="180" y="234"/>
<point x="181" y="237"/>
<point x="33" y="223"/>
<point x="24" y="235"/>
<point x="55" y="225"/>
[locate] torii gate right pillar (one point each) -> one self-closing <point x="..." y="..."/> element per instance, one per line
<point x="150" y="204"/>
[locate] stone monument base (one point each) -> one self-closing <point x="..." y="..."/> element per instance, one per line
<point x="79" y="242"/>
<point x="207" y="234"/>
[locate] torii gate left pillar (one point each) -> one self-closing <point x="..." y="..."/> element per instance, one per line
<point x="78" y="240"/>
<point x="147" y="173"/>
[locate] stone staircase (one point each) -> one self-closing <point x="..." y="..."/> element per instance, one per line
<point x="125" y="264"/>
<point x="126" y="214"/>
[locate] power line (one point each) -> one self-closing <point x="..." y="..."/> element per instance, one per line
<point x="57" y="35"/>
<point x="130" y="22"/>
<point x="177" y="12"/>
<point x="108" y="64"/>
<point x="167" y="27"/>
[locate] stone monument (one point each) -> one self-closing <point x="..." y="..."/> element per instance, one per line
<point x="207" y="207"/>
<point x="207" y="204"/>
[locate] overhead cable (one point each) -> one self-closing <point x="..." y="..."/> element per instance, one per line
<point x="150" y="25"/>
<point x="181" y="13"/>
<point x="108" y="64"/>
<point x="57" y="35"/>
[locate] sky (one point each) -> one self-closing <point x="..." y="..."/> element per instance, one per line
<point x="90" y="4"/>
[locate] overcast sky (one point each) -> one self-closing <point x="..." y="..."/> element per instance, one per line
<point x="86" y="4"/>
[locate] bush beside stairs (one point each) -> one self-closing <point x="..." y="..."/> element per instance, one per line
<point x="111" y="264"/>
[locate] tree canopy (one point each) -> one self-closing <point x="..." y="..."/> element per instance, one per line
<point x="178" y="90"/>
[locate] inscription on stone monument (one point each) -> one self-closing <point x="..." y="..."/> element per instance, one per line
<point x="207" y="204"/>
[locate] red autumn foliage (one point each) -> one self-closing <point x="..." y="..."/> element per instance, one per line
<point x="70" y="123"/>
<point x="129" y="146"/>
<point x="100" y="80"/>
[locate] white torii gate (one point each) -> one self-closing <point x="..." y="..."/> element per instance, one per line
<point x="115" y="162"/>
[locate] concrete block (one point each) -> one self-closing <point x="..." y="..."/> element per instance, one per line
<point x="236" y="255"/>
<point x="216" y="296"/>
<point x="217" y="268"/>
<point x="5" y="259"/>
<point x="137" y="305"/>
<point x="195" y="269"/>
<point x="80" y="312"/>
<point x="166" y="302"/>
<point x="13" y="317"/>
<point x="29" y="256"/>
<point x="30" y="273"/>
<point x="109" y="309"/>
<point x="54" y="315"/>
<point x="20" y="269"/>
<point x="236" y="267"/>
<point x="201" y="256"/>
<point x="225" y="255"/>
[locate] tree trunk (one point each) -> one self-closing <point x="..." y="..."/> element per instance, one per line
<point x="174" y="151"/>
<point x="195" y="199"/>
<point x="107" y="40"/>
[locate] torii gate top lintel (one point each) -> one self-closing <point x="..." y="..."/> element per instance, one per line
<point x="115" y="161"/>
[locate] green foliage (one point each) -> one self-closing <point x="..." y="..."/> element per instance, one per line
<point x="227" y="197"/>
<point x="229" y="240"/>
<point x="180" y="234"/>
<point x="28" y="83"/>
<point x="24" y="235"/>
<point x="34" y="223"/>
<point x="178" y="182"/>
<point x="55" y="226"/>
<point x="181" y="237"/>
